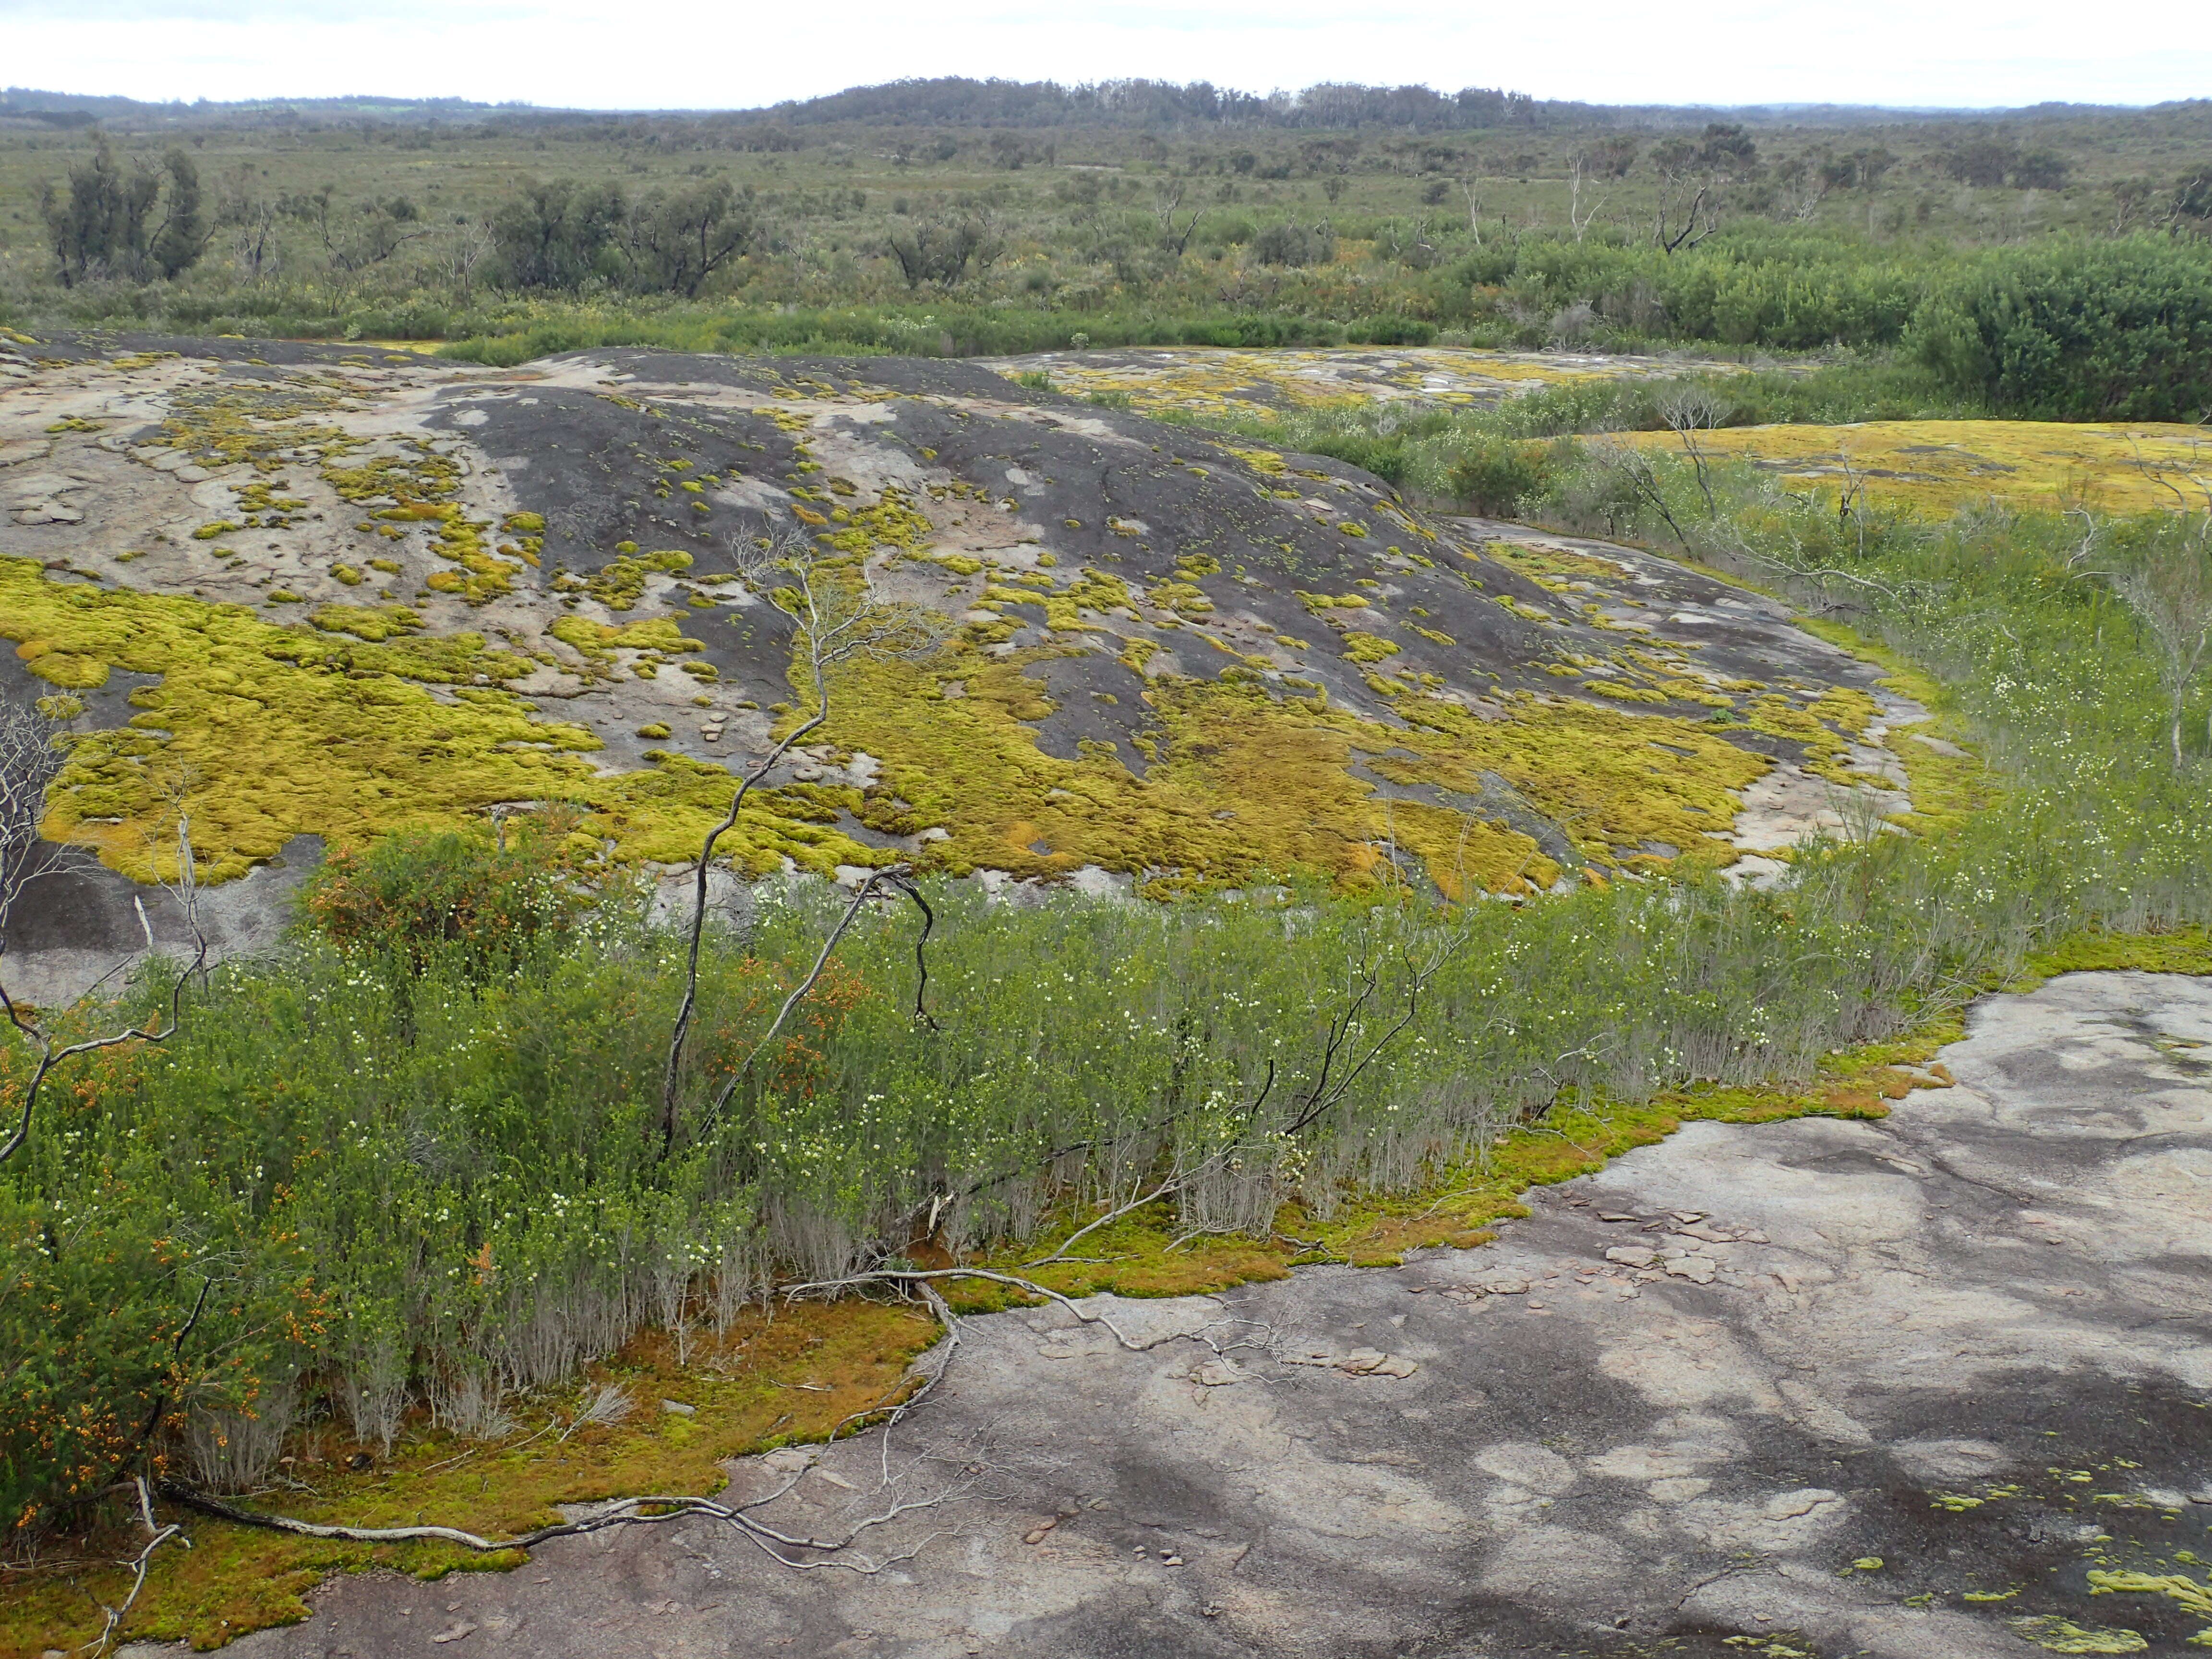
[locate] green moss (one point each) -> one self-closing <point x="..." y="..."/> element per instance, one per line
<point x="603" y="639"/>
<point x="1369" y="647"/>
<point x="2050" y="1632"/>
<point x="1623" y="692"/>
<point x="1183" y="599"/>
<point x="265" y="732"/>
<point x="620" y="583"/>
<point x="1237" y="780"/>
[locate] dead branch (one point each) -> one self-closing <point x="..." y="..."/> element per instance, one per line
<point x="1642" y="478"/>
<point x="40" y="1039"/>
<point x="32" y="752"/>
<point x="112" y="1618"/>
<point x="1698" y="222"/>
<point x="628" y="1511"/>
<point x="902" y="1277"/>
<point x="1578" y="218"/>
<point x="2169" y="590"/>
<point x="837" y="622"/>
<point x="651" y="1511"/>
<point x="894" y="876"/>
<point x="1688" y="412"/>
<point x="1328" y="1088"/>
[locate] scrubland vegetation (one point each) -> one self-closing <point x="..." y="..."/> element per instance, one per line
<point x="409" y="1174"/>
<point x="2049" y="263"/>
<point x="412" y="1166"/>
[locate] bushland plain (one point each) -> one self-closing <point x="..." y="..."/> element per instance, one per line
<point x="203" y="1278"/>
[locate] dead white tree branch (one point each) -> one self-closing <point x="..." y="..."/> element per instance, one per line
<point x="837" y="616"/>
<point x="48" y="1053"/>
<point x="112" y="1618"/>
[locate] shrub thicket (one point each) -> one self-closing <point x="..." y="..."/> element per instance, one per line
<point x="2094" y="331"/>
<point x="407" y="1179"/>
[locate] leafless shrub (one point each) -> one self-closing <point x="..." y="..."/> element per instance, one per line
<point x="469" y="1402"/>
<point x="2169" y="588"/>
<point x="32" y="756"/>
<point x="373" y="1389"/>
<point x="606" y="1406"/>
<point x="234" y="1451"/>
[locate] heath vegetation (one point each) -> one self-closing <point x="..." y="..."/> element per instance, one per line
<point x="488" y="1121"/>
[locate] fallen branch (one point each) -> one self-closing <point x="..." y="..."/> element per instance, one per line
<point x="629" y="1511"/>
<point x="922" y="1276"/>
<point x="113" y="1617"/>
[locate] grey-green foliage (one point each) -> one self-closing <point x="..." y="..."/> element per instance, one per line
<point x="563" y="235"/>
<point x="132" y="223"/>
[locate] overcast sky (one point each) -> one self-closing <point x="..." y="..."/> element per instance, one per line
<point x="737" y="54"/>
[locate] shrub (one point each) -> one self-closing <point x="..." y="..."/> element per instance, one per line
<point x="128" y="1332"/>
<point x="1291" y="244"/>
<point x="1496" y="477"/>
<point x="1392" y="330"/>
<point x="488" y="897"/>
<point x="2121" y="330"/>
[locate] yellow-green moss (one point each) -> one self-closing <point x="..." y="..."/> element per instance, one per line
<point x="1939" y="467"/>
<point x="265" y="732"/>
<point x="1236" y="780"/>
<point x="620" y="583"/>
<point x="1369" y="647"/>
<point x="602" y="639"/>
<point x="374" y="622"/>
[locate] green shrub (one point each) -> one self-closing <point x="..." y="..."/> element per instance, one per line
<point x="1496" y="477"/>
<point x="126" y="1325"/>
<point x="1392" y="331"/>
<point x="2081" y="331"/>
<point x="488" y="897"/>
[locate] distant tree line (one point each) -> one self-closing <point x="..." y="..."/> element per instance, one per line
<point x="954" y="100"/>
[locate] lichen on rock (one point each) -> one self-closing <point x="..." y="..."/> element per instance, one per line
<point x="424" y="590"/>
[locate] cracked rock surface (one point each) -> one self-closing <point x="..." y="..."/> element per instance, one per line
<point x="1887" y="1390"/>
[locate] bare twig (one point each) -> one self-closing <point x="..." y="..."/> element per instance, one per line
<point x="41" y="1041"/>
<point x="837" y="622"/>
<point x="156" y="1535"/>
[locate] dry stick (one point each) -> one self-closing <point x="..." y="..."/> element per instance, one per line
<point x="1175" y="1183"/>
<point x="690" y="1002"/>
<point x="156" y="1536"/>
<point x="1323" y="1096"/>
<point x="889" y="872"/>
<point x="1028" y="1286"/>
<point x="627" y="1512"/>
<point x="865" y="628"/>
<point x="38" y="1038"/>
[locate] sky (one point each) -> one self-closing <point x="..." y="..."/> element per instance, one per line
<point x="722" y="54"/>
